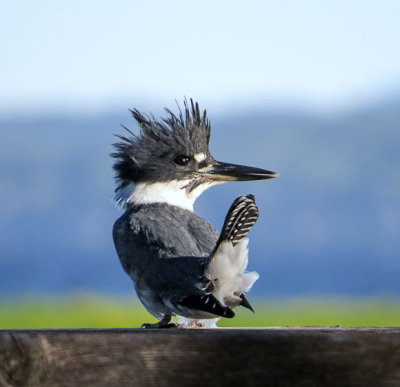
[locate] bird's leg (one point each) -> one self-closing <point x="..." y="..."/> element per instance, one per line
<point x="163" y="323"/>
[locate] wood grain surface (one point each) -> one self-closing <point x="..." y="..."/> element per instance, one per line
<point x="318" y="356"/>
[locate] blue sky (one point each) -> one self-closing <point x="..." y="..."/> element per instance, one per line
<point x="91" y="55"/>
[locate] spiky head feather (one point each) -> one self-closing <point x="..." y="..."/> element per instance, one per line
<point x="149" y="156"/>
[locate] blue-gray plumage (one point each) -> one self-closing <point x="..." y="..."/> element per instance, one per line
<point x="179" y="263"/>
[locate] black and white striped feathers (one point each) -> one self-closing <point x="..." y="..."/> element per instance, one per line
<point x="241" y="217"/>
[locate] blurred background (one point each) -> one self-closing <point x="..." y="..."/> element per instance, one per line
<point x="308" y="89"/>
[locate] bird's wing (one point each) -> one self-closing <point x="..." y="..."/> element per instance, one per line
<point x="176" y="232"/>
<point x="182" y="282"/>
<point x="195" y="292"/>
<point x="155" y="232"/>
<point x="171" y="255"/>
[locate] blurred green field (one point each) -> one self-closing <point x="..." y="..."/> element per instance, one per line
<point x="99" y="312"/>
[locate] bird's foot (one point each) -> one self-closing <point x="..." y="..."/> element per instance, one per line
<point x="163" y="323"/>
<point x="157" y="325"/>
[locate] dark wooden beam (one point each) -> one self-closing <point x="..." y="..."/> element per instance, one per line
<point x="220" y="357"/>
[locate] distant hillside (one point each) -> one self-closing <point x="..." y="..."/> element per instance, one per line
<point x="329" y="225"/>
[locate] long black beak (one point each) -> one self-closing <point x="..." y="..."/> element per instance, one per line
<point x="232" y="172"/>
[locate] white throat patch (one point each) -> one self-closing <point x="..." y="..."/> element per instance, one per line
<point x="172" y="192"/>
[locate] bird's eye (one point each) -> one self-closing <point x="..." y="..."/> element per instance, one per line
<point x="182" y="160"/>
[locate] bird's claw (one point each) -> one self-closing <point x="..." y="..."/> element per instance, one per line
<point x="157" y="325"/>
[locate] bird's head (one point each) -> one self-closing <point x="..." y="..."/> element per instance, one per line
<point x="170" y="160"/>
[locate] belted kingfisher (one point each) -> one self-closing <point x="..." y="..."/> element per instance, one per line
<point x="179" y="263"/>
